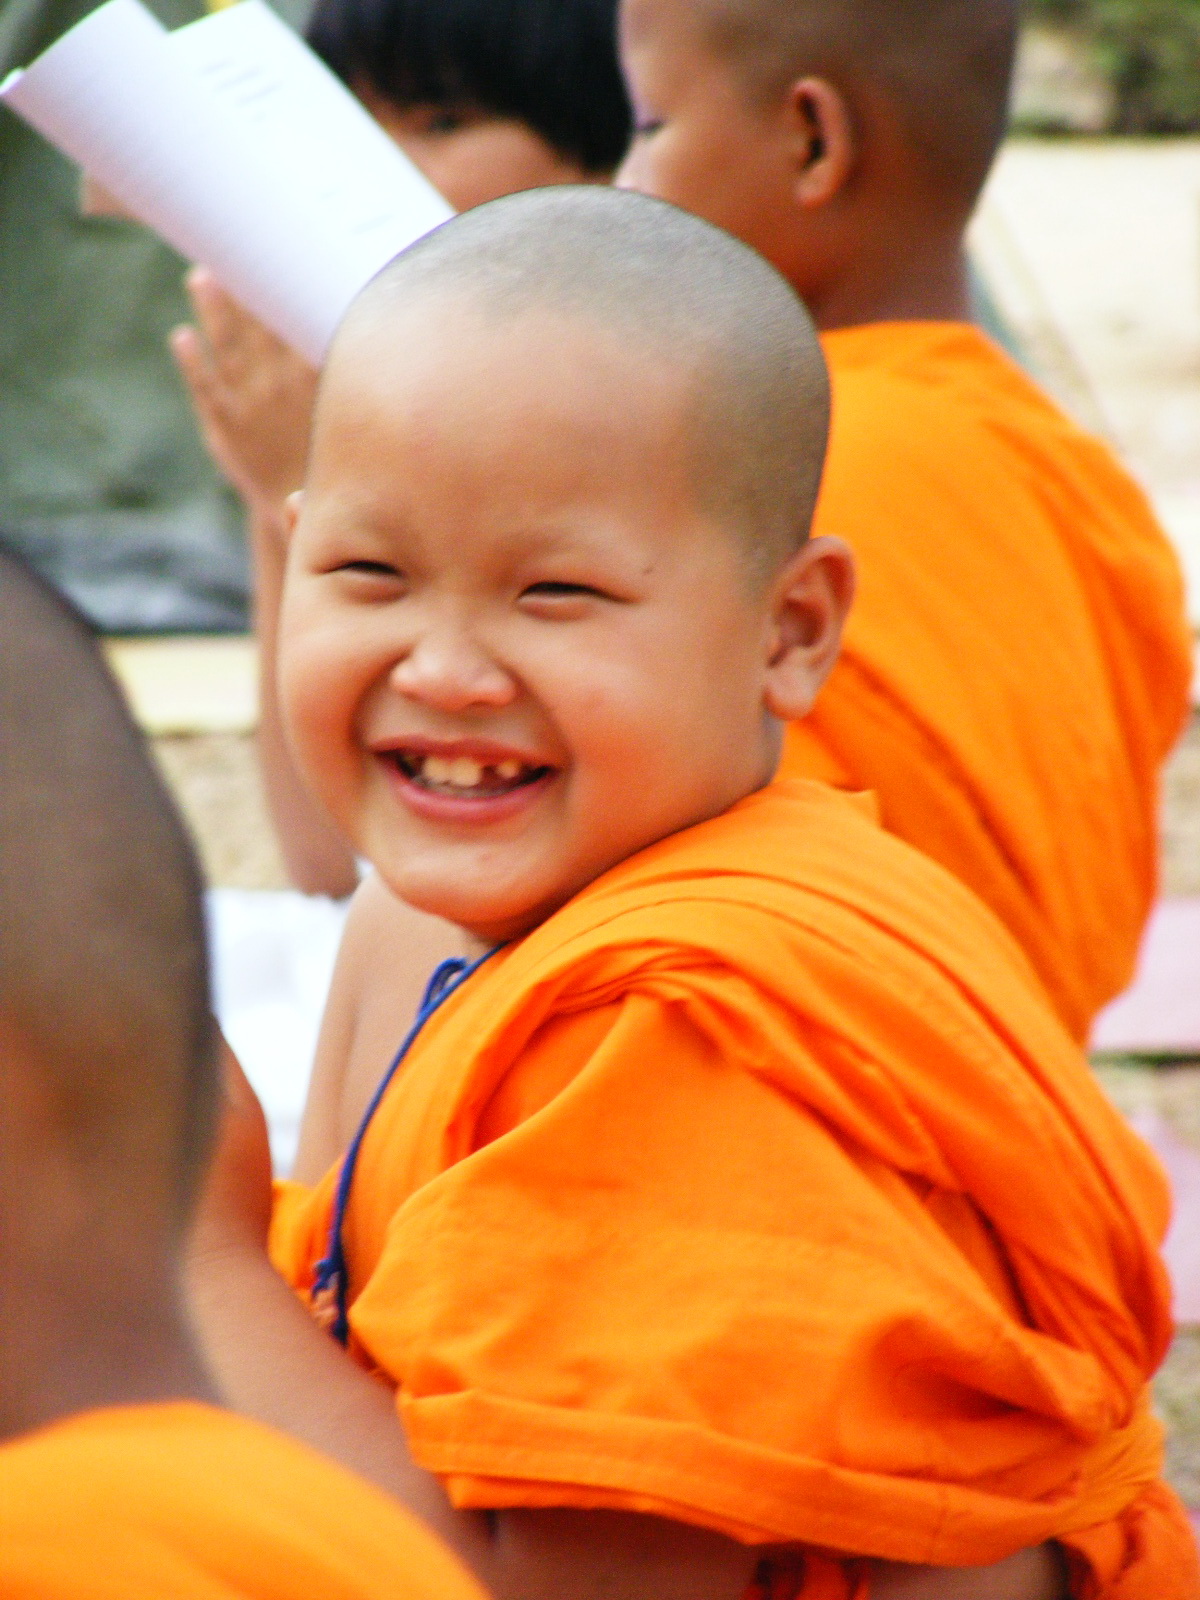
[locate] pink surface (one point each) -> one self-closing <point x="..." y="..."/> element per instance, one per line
<point x="1182" y="1248"/>
<point x="1161" y="1012"/>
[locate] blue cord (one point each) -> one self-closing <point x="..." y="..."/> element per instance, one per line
<point x="331" y="1273"/>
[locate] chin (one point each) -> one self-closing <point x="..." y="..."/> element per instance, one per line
<point x="489" y="920"/>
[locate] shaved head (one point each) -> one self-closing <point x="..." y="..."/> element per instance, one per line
<point x="946" y="66"/>
<point x="103" y="979"/>
<point x="672" y="288"/>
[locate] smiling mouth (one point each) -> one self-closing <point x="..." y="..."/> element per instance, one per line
<point x="465" y="777"/>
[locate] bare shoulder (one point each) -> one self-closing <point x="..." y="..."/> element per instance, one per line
<point x="387" y="953"/>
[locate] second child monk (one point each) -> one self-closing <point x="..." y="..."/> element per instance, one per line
<point x="120" y="1476"/>
<point x="1017" y="664"/>
<point x="737" y="1219"/>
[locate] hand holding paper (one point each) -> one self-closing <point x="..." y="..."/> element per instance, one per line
<point x="253" y="396"/>
<point x="230" y="139"/>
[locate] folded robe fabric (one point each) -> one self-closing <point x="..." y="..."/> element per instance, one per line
<point x="1017" y="661"/>
<point x="759" y="1188"/>
<point x="185" y="1502"/>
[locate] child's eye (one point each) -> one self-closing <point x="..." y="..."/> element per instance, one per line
<point x="562" y="591"/>
<point x="369" y="569"/>
<point x="445" y="122"/>
<point x="370" y="580"/>
<point x="644" y="127"/>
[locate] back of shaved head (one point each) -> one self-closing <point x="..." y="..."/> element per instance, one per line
<point x="677" y="290"/>
<point x="103" y="976"/>
<point x="946" y="65"/>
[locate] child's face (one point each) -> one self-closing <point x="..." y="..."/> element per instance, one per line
<point x="699" y="140"/>
<point x="469" y="156"/>
<point x="514" y="650"/>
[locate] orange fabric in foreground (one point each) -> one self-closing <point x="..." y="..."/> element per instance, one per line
<point x="185" y="1502"/>
<point x="1017" y="662"/>
<point x="759" y="1188"/>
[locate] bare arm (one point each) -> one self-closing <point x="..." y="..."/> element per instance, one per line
<point x="317" y="854"/>
<point x="253" y="398"/>
<point x="387" y="955"/>
<point x="272" y="1362"/>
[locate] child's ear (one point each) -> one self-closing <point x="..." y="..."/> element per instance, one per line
<point x="823" y="140"/>
<point x="811" y="599"/>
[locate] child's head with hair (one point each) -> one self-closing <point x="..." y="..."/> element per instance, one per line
<point x="551" y="592"/>
<point x="847" y="140"/>
<point x="108" y="1078"/>
<point x="487" y="96"/>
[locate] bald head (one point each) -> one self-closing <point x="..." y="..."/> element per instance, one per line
<point x="677" y="291"/>
<point x="103" y="978"/>
<point x="945" y="65"/>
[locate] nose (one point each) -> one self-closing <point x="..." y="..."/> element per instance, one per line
<point x="449" y="670"/>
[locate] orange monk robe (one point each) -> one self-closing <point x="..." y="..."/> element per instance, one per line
<point x="1017" y="662"/>
<point x="759" y="1188"/>
<point x="185" y="1502"/>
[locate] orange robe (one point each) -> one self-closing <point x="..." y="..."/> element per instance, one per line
<point x="759" y="1188"/>
<point x="184" y="1502"/>
<point x="1017" y="662"/>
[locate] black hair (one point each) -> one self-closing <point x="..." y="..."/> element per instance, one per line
<point x="551" y="64"/>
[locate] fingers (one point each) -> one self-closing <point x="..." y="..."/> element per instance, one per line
<point x="96" y="201"/>
<point x="194" y="361"/>
<point x="210" y="397"/>
<point x="240" y="1097"/>
<point x="252" y="394"/>
<point x="237" y="342"/>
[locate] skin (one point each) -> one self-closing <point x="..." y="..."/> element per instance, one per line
<point x="253" y="398"/>
<point x="520" y="583"/>
<point x="819" y="178"/>
<point x="94" y="1265"/>
<point x="469" y="154"/>
<point x="821" y="181"/>
<point x="523" y="578"/>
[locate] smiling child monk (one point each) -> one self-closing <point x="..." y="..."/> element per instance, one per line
<point x="119" y="1477"/>
<point x="1017" y="664"/>
<point x="738" y="1220"/>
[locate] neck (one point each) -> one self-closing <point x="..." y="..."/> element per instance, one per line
<point x="75" y="1350"/>
<point x="900" y="280"/>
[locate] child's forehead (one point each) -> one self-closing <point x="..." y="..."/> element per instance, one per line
<point x="550" y="384"/>
<point x="458" y="329"/>
<point x="456" y="500"/>
<point x="472" y="480"/>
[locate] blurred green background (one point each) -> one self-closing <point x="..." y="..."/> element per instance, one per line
<point x="1146" y="52"/>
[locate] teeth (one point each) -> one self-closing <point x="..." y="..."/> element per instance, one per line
<point x="465" y="773"/>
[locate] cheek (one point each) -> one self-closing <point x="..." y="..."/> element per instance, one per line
<point x="488" y="161"/>
<point x="321" y="684"/>
<point x="663" y="166"/>
<point x="691" y="167"/>
<point x="716" y="169"/>
<point x="622" y="721"/>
